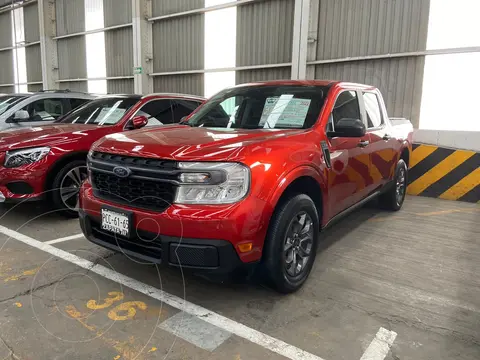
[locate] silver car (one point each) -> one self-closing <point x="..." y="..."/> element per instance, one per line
<point x="36" y="109"/>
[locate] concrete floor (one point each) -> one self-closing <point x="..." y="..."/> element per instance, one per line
<point x="414" y="272"/>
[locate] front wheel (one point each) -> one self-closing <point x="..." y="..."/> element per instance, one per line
<point x="393" y="199"/>
<point x="66" y="187"/>
<point x="291" y="243"/>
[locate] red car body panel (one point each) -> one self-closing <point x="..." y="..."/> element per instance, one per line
<point x="63" y="140"/>
<point x="276" y="158"/>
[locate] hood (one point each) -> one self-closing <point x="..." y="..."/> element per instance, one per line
<point x="50" y="135"/>
<point x="189" y="143"/>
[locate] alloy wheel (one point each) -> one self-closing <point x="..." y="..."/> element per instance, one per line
<point x="298" y="244"/>
<point x="401" y="185"/>
<point x="70" y="187"/>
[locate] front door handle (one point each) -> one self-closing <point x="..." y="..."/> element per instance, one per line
<point x="386" y="137"/>
<point x="363" y="144"/>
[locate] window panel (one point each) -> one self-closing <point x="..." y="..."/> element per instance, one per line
<point x="346" y="107"/>
<point x="372" y="107"/>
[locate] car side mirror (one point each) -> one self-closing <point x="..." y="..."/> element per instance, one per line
<point x="19" y="116"/>
<point x="347" y="127"/>
<point x="139" y="122"/>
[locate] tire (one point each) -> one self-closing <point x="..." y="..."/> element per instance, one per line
<point x="286" y="221"/>
<point x="393" y="198"/>
<point x="66" y="186"/>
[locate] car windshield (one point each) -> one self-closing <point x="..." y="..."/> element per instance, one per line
<point x="262" y="107"/>
<point x="7" y="102"/>
<point x="106" y="111"/>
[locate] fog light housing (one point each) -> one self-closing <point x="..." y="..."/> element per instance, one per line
<point x="245" y="247"/>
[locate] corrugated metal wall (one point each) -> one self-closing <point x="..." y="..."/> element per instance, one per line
<point x="6" y="57"/>
<point x="70" y="15"/>
<point x="119" y="45"/>
<point x="350" y="28"/>
<point x="32" y="34"/>
<point x="400" y="81"/>
<point x="264" y="36"/>
<point x="184" y="84"/>
<point x="245" y="76"/>
<point x="178" y="45"/>
<point x="165" y="7"/>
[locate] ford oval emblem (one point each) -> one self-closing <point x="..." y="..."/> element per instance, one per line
<point x="121" y="171"/>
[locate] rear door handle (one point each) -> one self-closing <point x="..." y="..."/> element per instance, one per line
<point x="363" y="144"/>
<point x="386" y="137"/>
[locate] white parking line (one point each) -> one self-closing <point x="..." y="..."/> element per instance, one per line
<point x="380" y="346"/>
<point x="67" y="238"/>
<point x="196" y="331"/>
<point x="278" y="346"/>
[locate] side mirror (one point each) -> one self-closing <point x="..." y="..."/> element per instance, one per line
<point x="139" y="122"/>
<point x="20" y="115"/>
<point x="347" y="127"/>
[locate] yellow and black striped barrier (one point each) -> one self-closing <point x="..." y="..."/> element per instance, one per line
<point x="444" y="173"/>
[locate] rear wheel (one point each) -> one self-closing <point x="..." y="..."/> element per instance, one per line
<point x="291" y="243"/>
<point x="393" y="199"/>
<point x="66" y="187"/>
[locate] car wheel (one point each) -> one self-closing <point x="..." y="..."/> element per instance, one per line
<point x="66" y="187"/>
<point x="393" y="199"/>
<point x="291" y="243"/>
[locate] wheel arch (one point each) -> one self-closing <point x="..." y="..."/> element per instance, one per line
<point x="60" y="163"/>
<point x="303" y="180"/>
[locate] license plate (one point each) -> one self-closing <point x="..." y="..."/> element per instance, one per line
<point x="118" y="223"/>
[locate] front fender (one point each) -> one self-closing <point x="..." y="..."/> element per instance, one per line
<point x="296" y="173"/>
<point x="274" y="192"/>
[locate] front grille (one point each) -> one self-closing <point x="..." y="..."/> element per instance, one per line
<point x="151" y="184"/>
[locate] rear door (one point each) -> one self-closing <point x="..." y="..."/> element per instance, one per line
<point x="382" y="148"/>
<point x="349" y="176"/>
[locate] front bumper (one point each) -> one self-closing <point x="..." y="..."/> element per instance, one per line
<point x="22" y="184"/>
<point x="190" y="236"/>
<point x="210" y="256"/>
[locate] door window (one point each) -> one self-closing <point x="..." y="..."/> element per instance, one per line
<point x="158" y="112"/>
<point x="372" y="107"/>
<point x="45" y="109"/>
<point x="183" y="108"/>
<point x="346" y="107"/>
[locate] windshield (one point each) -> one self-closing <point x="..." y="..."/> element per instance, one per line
<point x="107" y="111"/>
<point x="7" y="102"/>
<point x="262" y="107"/>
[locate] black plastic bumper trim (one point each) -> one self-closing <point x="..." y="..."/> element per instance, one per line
<point x="219" y="255"/>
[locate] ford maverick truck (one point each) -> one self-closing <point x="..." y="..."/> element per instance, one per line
<point x="248" y="180"/>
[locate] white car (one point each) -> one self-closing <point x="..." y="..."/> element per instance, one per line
<point x="36" y="109"/>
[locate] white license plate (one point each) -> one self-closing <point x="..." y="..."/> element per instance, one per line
<point x="115" y="222"/>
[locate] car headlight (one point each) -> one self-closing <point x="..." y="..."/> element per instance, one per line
<point x="21" y="157"/>
<point x="212" y="183"/>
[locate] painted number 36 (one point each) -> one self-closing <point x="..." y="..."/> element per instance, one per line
<point x="124" y="311"/>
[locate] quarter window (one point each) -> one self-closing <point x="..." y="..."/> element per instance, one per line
<point x="372" y="107"/>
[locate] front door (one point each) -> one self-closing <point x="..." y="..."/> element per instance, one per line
<point x="349" y="175"/>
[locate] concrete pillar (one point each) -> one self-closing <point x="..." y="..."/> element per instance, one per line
<point x="312" y="40"/>
<point x="142" y="46"/>
<point x="300" y="39"/>
<point x="48" y="46"/>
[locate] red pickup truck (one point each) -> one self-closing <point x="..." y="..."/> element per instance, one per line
<point x="248" y="180"/>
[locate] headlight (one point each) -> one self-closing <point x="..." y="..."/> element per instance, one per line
<point x="212" y="183"/>
<point x="21" y="157"/>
